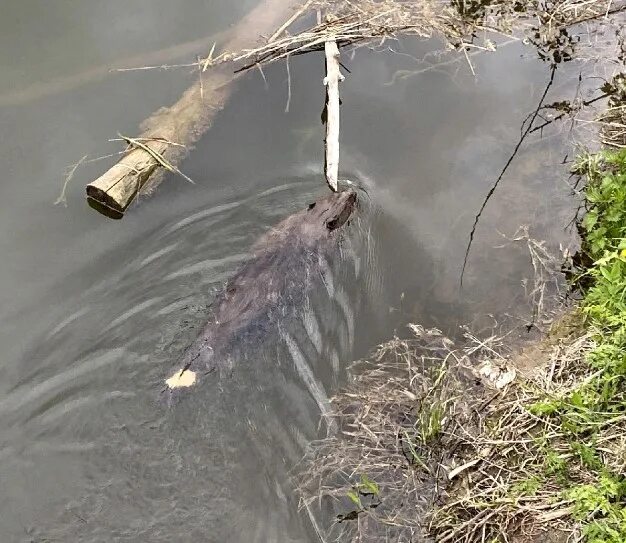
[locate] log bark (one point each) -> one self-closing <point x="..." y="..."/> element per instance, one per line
<point x="184" y="122"/>
<point x="331" y="143"/>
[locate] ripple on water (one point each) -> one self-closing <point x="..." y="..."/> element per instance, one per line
<point x="203" y="216"/>
<point x="87" y="394"/>
<point x="157" y="254"/>
<point x="26" y="398"/>
<point x="207" y="266"/>
<point x="135" y="310"/>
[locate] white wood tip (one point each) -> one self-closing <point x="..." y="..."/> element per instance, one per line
<point x="181" y="379"/>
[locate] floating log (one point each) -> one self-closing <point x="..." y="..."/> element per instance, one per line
<point x="331" y="143"/>
<point x="169" y="132"/>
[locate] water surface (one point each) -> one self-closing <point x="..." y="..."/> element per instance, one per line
<point x="94" y="313"/>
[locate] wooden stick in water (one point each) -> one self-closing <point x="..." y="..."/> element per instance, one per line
<point x="170" y="132"/>
<point x="331" y="144"/>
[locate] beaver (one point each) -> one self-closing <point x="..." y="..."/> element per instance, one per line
<point x="276" y="279"/>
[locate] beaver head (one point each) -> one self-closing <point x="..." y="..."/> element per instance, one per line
<point x="333" y="210"/>
<point x="328" y="213"/>
<point x="310" y="226"/>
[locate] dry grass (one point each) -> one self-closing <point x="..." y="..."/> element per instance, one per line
<point x="514" y="488"/>
<point x="417" y="426"/>
<point x="613" y="119"/>
<point x="613" y="122"/>
<point x="391" y="420"/>
<point x="463" y="25"/>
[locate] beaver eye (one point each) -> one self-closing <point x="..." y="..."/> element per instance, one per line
<point x="311" y="206"/>
<point x="331" y="225"/>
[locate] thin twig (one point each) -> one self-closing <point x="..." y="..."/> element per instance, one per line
<point x="62" y="199"/>
<point x="200" y="78"/>
<point x="209" y="59"/>
<point x="288" y="86"/>
<point x="561" y="115"/>
<point x="265" y="83"/>
<point x="158" y="157"/>
<point x="469" y="62"/>
<point x="506" y="167"/>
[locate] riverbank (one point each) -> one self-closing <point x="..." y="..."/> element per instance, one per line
<point x="465" y="443"/>
<point x="548" y="457"/>
<point x="474" y="442"/>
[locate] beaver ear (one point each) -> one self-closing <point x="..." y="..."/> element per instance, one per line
<point x="311" y="206"/>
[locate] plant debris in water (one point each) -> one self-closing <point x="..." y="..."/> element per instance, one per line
<point x="381" y="469"/>
<point x="462" y="25"/>
<point x="613" y="119"/>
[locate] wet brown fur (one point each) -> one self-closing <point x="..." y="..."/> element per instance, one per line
<point x="272" y="283"/>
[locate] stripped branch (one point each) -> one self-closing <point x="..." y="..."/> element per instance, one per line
<point x="331" y="117"/>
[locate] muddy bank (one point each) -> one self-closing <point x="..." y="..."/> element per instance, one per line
<point x="421" y="426"/>
<point x="486" y="438"/>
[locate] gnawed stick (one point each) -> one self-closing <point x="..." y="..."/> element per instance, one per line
<point x="331" y="143"/>
<point x="182" y="123"/>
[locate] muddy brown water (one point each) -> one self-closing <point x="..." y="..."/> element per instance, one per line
<point x="95" y="313"/>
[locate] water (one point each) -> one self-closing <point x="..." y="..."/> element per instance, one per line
<point x="95" y="313"/>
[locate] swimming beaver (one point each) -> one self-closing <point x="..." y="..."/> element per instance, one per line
<point x="275" y="280"/>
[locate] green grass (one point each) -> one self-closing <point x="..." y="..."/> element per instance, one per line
<point x="600" y="401"/>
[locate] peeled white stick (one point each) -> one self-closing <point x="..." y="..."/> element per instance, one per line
<point x="331" y="143"/>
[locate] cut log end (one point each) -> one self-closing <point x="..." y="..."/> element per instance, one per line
<point x="115" y="190"/>
<point x="101" y="197"/>
<point x="104" y="209"/>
